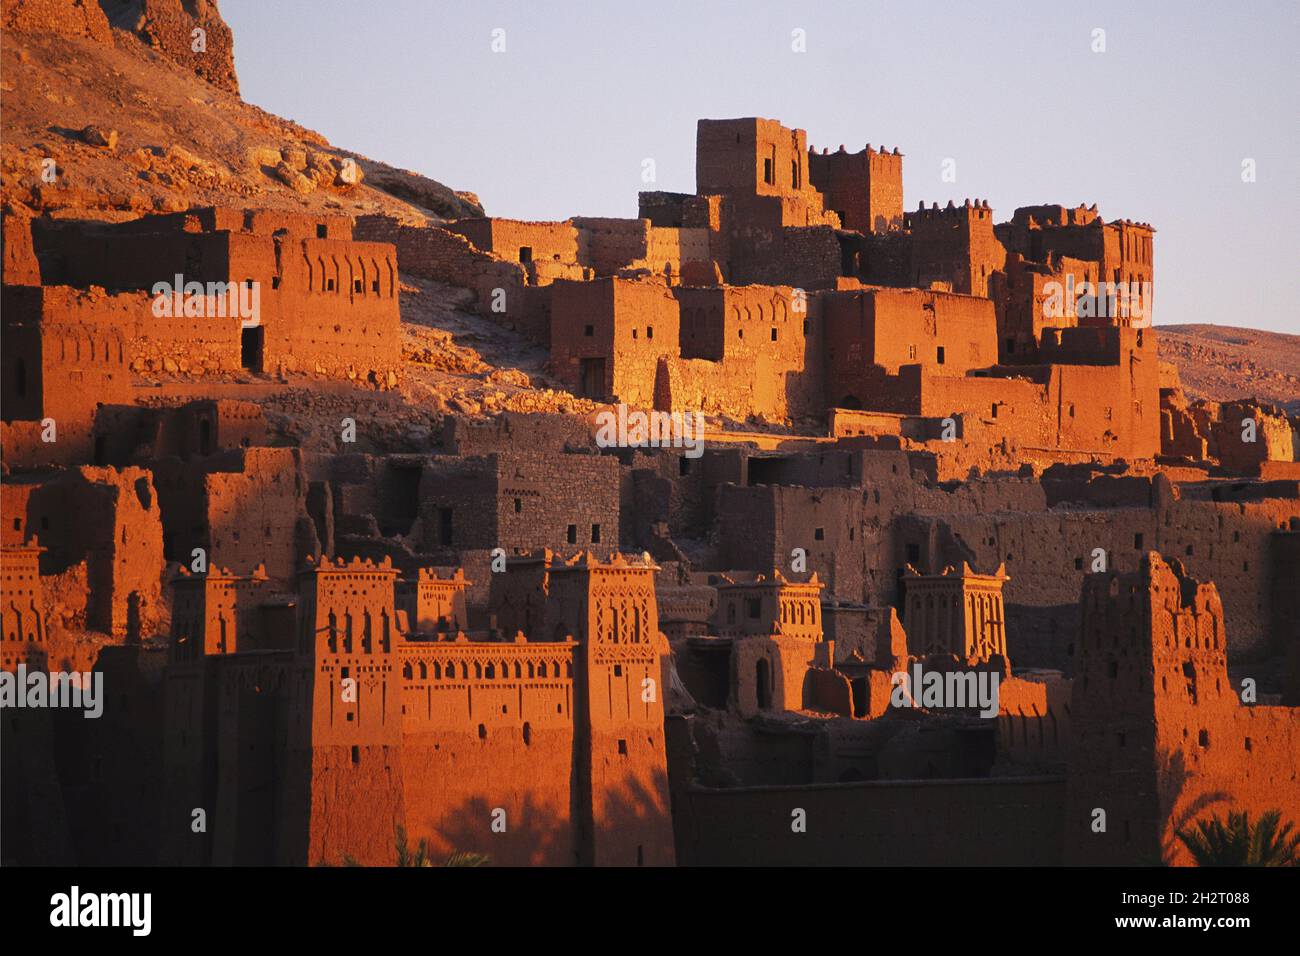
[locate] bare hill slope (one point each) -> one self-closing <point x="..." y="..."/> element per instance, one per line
<point x="1221" y="362"/>
<point x="167" y="129"/>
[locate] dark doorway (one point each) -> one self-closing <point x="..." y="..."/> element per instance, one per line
<point x="861" y="695"/>
<point x="133" y="618"/>
<point x="763" y="672"/>
<point x="593" y="378"/>
<point x="402" y="506"/>
<point x="251" y="343"/>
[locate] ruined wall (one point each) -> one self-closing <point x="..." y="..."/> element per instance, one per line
<point x="513" y="240"/>
<point x="243" y="508"/>
<point x="110" y="520"/>
<point x="168" y="27"/>
<point x="436" y="253"/>
<point x="74" y="18"/>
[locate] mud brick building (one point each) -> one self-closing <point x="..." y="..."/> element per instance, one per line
<point x="957" y="612"/>
<point x="82" y="323"/>
<point x="510" y="639"/>
<point x="535" y="751"/>
<point x="520" y="502"/>
<point x="864" y="189"/>
<point x="1160" y="728"/>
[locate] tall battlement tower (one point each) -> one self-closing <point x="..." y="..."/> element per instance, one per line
<point x="750" y="157"/>
<point x="345" y="710"/>
<point x="1150" y="687"/>
<point x="865" y="188"/>
<point x="955" y="247"/>
<point x="621" y="805"/>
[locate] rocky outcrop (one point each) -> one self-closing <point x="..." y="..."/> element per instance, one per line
<point x="77" y="18"/>
<point x="188" y="32"/>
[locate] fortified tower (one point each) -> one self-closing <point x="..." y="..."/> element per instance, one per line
<point x="346" y="715"/>
<point x="621" y="812"/>
<point x="955" y="246"/>
<point x="957" y="612"/>
<point x="865" y="188"/>
<point x="22" y="612"/>
<point x="1150" y="685"/>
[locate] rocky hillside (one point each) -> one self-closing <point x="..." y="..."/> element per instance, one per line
<point x="1221" y="362"/>
<point x="110" y="111"/>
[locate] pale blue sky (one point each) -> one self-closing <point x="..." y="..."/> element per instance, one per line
<point x="1155" y="128"/>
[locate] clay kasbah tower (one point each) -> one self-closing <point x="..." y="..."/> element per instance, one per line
<point x="793" y="519"/>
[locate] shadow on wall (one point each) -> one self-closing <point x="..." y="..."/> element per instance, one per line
<point x="626" y="818"/>
<point x="1178" y="809"/>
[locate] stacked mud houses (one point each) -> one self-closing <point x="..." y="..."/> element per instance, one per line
<point x="936" y="444"/>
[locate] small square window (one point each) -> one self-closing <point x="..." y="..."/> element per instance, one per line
<point x="519" y="505"/>
<point x="819" y="534"/>
<point x="320" y="231"/>
<point x="622" y="747"/>
<point x="589" y="330"/>
<point x="595" y="534"/>
<point x="573" y="534"/>
<point x="649" y="331"/>
<point x="356" y="285"/>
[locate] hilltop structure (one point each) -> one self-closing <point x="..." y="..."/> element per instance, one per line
<point x="937" y="444"/>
